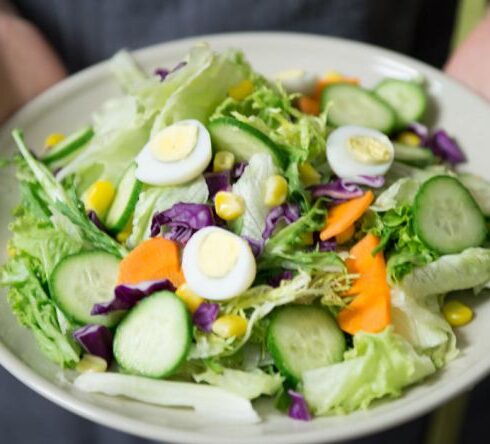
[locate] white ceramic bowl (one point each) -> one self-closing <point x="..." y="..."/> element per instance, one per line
<point x="68" y="105"/>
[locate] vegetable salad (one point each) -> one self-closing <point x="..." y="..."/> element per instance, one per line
<point x="213" y="236"/>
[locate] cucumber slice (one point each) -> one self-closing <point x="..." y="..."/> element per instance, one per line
<point x="68" y="146"/>
<point x="408" y="99"/>
<point x="243" y="140"/>
<point x="125" y="201"/>
<point x="154" y="339"/>
<point x="446" y="217"/>
<point x="304" y="337"/>
<point x="82" y="280"/>
<point x="413" y="155"/>
<point x="353" y="105"/>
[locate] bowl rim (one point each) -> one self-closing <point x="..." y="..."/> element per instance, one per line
<point x="84" y="408"/>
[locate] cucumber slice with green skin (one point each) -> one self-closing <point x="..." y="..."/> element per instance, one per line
<point x="243" y="140"/>
<point x="446" y="217"/>
<point x="81" y="280"/>
<point x="408" y="99"/>
<point x="413" y="155"/>
<point x="125" y="201"/>
<point x="354" y="105"/>
<point x="68" y="146"/>
<point x="302" y="338"/>
<point x="154" y="339"/>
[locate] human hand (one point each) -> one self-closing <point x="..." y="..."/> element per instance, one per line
<point x="28" y="65"/>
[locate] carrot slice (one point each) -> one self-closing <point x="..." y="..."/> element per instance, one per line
<point x="342" y="216"/>
<point x="309" y="105"/>
<point x="370" y="311"/>
<point x="154" y="259"/>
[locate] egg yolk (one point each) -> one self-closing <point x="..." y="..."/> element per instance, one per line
<point x="218" y="254"/>
<point x="174" y="143"/>
<point x="369" y="150"/>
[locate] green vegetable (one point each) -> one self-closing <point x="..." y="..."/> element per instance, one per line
<point x="68" y="148"/>
<point x="378" y="365"/>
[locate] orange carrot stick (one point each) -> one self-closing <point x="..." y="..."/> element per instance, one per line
<point x="154" y="259"/>
<point x="309" y="105"/>
<point x="342" y="216"/>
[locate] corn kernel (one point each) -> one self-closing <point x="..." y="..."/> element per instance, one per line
<point x="409" y="138"/>
<point x="53" y="139"/>
<point x="223" y="161"/>
<point x="91" y="363"/>
<point x="191" y="299"/>
<point x="457" y="313"/>
<point x="242" y="90"/>
<point x="99" y="197"/>
<point x="11" y="250"/>
<point x="308" y="175"/>
<point x="345" y="236"/>
<point x="276" y="191"/>
<point x="123" y="235"/>
<point x="333" y="76"/>
<point x="229" y="326"/>
<point x="307" y="238"/>
<point x="229" y="206"/>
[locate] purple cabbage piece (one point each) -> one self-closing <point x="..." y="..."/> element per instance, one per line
<point x="205" y="315"/>
<point x="238" y="170"/>
<point x="339" y="189"/>
<point x="92" y="215"/>
<point x="182" y="221"/>
<point x="218" y="182"/>
<point x="421" y="130"/>
<point x="287" y="213"/>
<point x="255" y="245"/>
<point x="164" y="72"/>
<point x="126" y="296"/>
<point x="327" y="245"/>
<point x="96" y="340"/>
<point x="298" y="409"/>
<point x="446" y="147"/>
<point x="370" y="181"/>
<point x="275" y="281"/>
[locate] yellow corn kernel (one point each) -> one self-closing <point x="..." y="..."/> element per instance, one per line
<point x="241" y="90"/>
<point x="308" y="175"/>
<point x="229" y="326"/>
<point x="99" y="197"/>
<point x="276" y="190"/>
<point x="229" y="206"/>
<point x="123" y="235"/>
<point x="307" y="238"/>
<point x="345" y="236"/>
<point x="223" y="161"/>
<point x="91" y="363"/>
<point x="409" y="138"/>
<point x="457" y="313"/>
<point x="53" y="139"/>
<point x="191" y="299"/>
<point x="333" y="76"/>
<point x="11" y="250"/>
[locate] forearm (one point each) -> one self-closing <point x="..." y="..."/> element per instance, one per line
<point x="28" y="65"/>
<point x="470" y="63"/>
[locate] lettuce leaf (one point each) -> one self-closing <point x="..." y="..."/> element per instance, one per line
<point x="36" y="311"/>
<point x="479" y="189"/>
<point x="156" y="199"/>
<point x="378" y="365"/>
<point x="251" y="187"/>
<point x="249" y="385"/>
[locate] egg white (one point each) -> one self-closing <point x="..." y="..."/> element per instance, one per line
<point x="235" y="282"/>
<point x="152" y="171"/>
<point x="302" y="84"/>
<point x="342" y="161"/>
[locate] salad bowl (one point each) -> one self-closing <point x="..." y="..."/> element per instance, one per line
<point x="65" y="107"/>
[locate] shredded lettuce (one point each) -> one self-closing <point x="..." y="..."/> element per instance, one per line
<point x="249" y="385"/>
<point x="378" y="365"/>
<point x="156" y="199"/>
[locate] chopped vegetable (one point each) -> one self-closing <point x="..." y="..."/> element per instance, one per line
<point x="457" y="313"/>
<point x="96" y="340"/>
<point x="205" y="315"/>
<point x="298" y="408"/>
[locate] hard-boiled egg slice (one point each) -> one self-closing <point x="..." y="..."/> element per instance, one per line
<point x="175" y="155"/>
<point x="217" y="264"/>
<point x="296" y="81"/>
<point x="359" y="151"/>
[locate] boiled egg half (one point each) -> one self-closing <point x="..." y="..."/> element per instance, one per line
<point x="217" y="264"/>
<point x="358" y="151"/>
<point x="175" y="155"/>
<point x="296" y="81"/>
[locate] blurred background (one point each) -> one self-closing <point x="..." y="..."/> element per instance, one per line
<point x="42" y="41"/>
